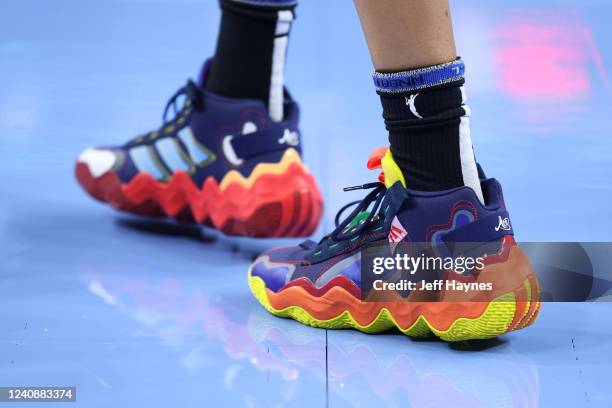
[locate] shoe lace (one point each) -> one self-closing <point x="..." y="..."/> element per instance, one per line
<point x="342" y="233"/>
<point x="192" y="97"/>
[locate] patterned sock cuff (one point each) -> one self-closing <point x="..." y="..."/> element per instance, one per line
<point x="420" y="78"/>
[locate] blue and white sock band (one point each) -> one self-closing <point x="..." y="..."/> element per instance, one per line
<point x="268" y="3"/>
<point x="414" y="79"/>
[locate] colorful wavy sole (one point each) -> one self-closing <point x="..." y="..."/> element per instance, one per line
<point x="337" y="308"/>
<point x="276" y="200"/>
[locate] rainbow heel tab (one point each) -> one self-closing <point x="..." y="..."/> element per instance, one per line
<point x="376" y="157"/>
<point x="391" y="170"/>
<point x="381" y="158"/>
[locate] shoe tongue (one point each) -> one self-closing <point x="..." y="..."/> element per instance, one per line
<point x="381" y="158"/>
<point x="358" y="218"/>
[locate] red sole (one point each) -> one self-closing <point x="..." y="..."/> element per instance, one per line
<point x="273" y="204"/>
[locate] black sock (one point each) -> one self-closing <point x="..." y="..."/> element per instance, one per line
<point x="428" y="126"/>
<point x="251" y="48"/>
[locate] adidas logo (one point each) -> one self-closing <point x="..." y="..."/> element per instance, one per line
<point x="397" y="233"/>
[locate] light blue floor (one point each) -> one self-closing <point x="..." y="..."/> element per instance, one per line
<point x="135" y="312"/>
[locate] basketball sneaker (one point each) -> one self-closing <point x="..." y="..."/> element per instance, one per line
<point x="321" y="284"/>
<point x="217" y="161"/>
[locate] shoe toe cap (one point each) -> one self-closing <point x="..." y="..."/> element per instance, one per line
<point x="274" y="274"/>
<point x="99" y="161"/>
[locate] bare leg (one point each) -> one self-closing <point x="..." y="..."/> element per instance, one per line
<point x="420" y="82"/>
<point x="404" y="34"/>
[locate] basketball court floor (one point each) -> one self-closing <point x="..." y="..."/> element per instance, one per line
<point x="141" y="312"/>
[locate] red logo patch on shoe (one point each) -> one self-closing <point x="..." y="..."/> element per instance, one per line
<point x="397" y="233"/>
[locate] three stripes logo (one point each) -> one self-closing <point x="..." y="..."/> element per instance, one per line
<point x="169" y="154"/>
<point x="397" y="233"/>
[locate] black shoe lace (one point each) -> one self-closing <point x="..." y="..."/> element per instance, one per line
<point x="192" y="97"/>
<point x="341" y="233"/>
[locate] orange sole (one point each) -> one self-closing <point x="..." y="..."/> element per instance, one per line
<point x="513" y="306"/>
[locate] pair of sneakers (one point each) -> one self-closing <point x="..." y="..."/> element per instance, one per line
<point x="223" y="162"/>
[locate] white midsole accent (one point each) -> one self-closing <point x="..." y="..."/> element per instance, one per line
<point x="99" y="161"/>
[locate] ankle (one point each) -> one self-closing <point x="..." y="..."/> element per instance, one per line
<point x="428" y="124"/>
<point x="250" y="56"/>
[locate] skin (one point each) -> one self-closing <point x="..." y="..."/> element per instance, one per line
<point x="405" y="34"/>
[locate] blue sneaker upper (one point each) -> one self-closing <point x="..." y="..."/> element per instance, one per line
<point x="207" y="135"/>
<point x="396" y="214"/>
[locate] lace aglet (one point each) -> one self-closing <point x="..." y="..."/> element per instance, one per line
<point x="362" y="187"/>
